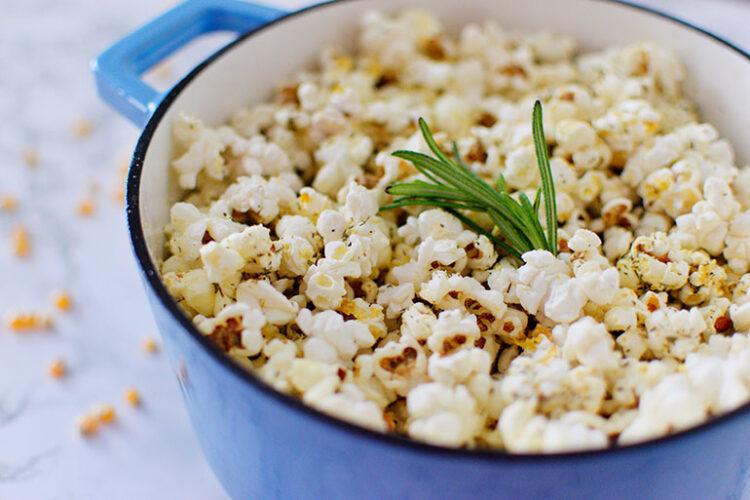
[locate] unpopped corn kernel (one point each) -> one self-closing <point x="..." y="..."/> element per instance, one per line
<point x="149" y="345"/>
<point x="19" y="237"/>
<point x="132" y="396"/>
<point x="81" y="128"/>
<point x="86" y="206"/>
<point x="30" y="157"/>
<point x="62" y="300"/>
<point x="88" y="425"/>
<point x="8" y="202"/>
<point x="26" y="321"/>
<point x="105" y="413"/>
<point x="57" y="368"/>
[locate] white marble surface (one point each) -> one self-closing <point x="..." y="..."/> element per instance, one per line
<point x="45" y="86"/>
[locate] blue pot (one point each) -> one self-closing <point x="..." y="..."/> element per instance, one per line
<point x="264" y="444"/>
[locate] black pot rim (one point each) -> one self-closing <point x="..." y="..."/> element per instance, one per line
<point x="152" y="277"/>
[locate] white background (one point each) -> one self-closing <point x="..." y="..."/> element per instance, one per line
<point x="45" y="86"/>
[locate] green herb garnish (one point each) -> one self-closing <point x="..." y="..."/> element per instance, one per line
<point x="455" y="188"/>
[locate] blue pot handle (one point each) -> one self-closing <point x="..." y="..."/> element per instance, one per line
<point x="118" y="69"/>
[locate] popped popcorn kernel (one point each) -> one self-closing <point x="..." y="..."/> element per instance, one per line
<point x="62" y="300"/>
<point x="132" y="396"/>
<point x="20" y="241"/>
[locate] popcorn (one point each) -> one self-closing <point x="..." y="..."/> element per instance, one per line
<point x="737" y="250"/>
<point x="203" y="151"/>
<point x="654" y="262"/>
<point x="467" y="294"/>
<point x="331" y="225"/>
<point x="396" y="298"/>
<point x="260" y="294"/>
<point x="361" y="204"/>
<point x="194" y="287"/>
<point x="259" y="199"/>
<point x="536" y="276"/>
<point x="616" y="242"/>
<point x="341" y="158"/>
<point x="418" y="321"/>
<point x="459" y="367"/>
<point x="237" y="329"/>
<point x="289" y="226"/>
<point x="442" y="415"/>
<point x="439" y="225"/>
<point x="740" y="315"/>
<point x="342" y="338"/>
<point x="674" y="332"/>
<point x="349" y="403"/>
<point x="627" y="125"/>
<point x="521" y="171"/>
<point x="670" y="406"/>
<point x="590" y="344"/>
<point x="409" y="321"/>
<point x="431" y="254"/>
<point x="400" y="366"/>
<point x="565" y="302"/>
<point x="280" y="354"/>
<point x="452" y="330"/>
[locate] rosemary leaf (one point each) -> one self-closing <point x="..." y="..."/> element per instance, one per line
<point x="548" y="187"/>
<point x="454" y="187"/>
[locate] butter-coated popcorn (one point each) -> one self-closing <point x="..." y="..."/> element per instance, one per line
<point x="409" y="321"/>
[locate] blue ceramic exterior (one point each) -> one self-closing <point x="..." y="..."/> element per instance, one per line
<point x="260" y="446"/>
<point x="263" y="444"/>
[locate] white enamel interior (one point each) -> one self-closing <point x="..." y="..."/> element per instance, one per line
<point x="718" y="77"/>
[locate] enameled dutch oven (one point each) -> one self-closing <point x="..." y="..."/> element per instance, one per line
<point x="263" y="444"/>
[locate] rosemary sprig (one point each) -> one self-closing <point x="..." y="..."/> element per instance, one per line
<point x="455" y="188"/>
